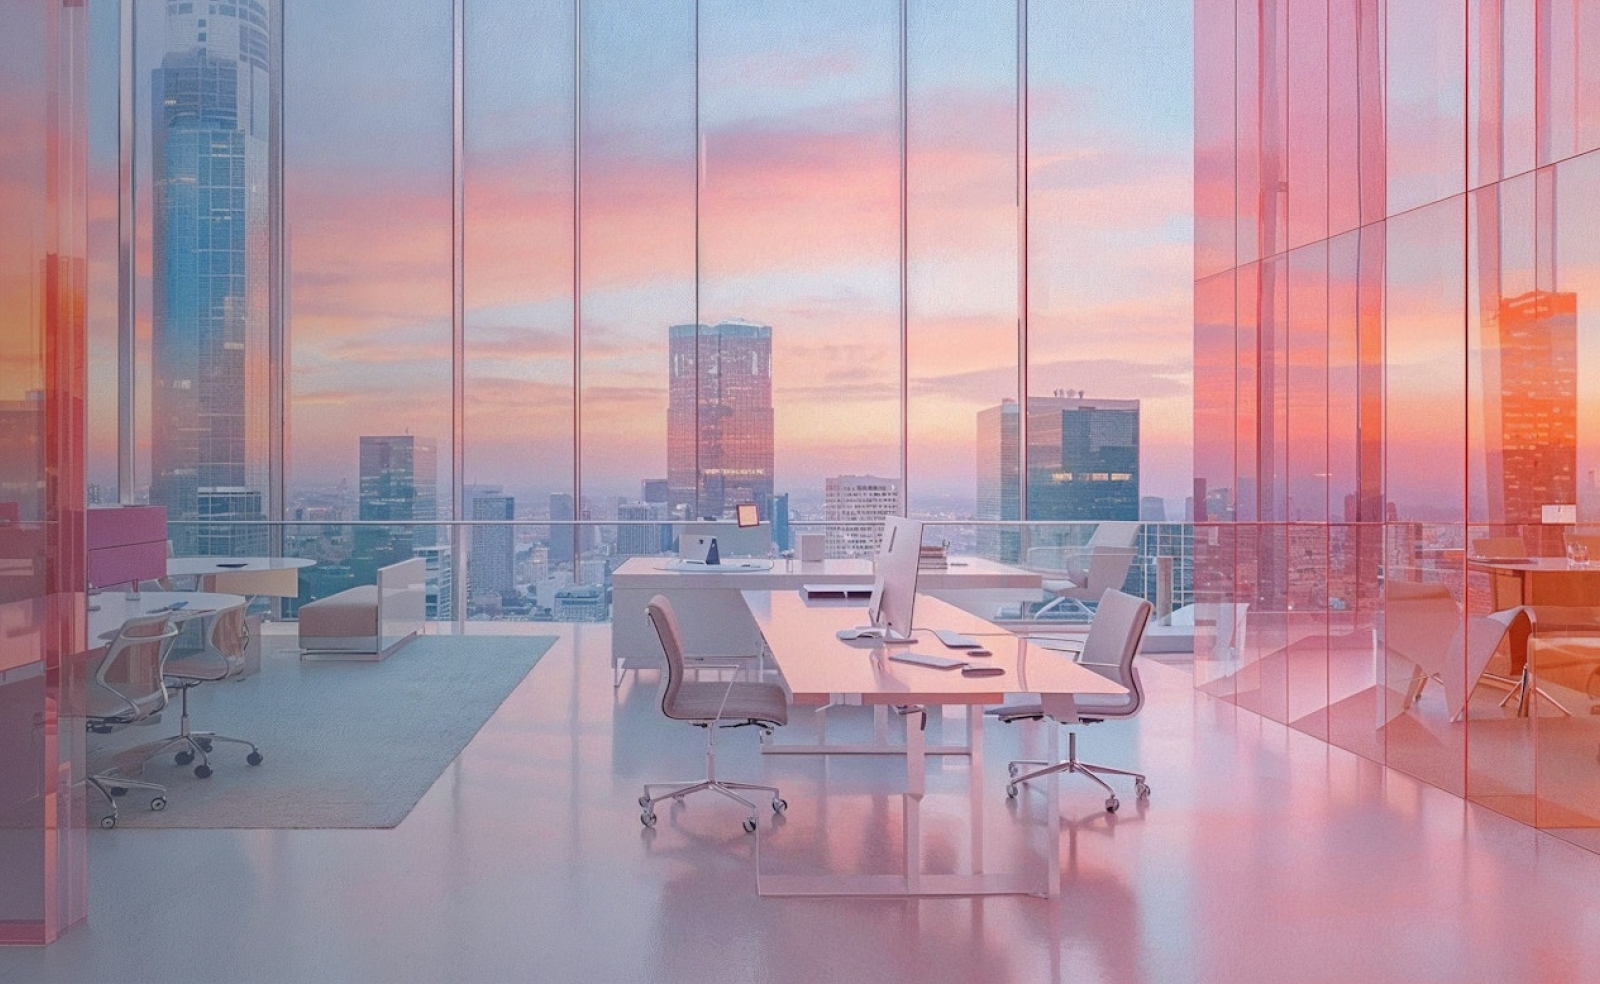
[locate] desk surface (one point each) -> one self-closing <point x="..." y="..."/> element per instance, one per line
<point x="110" y="609"/>
<point x="964" y="572"/>
<point x="192" y="566"/>
<point x="816" y="664"/>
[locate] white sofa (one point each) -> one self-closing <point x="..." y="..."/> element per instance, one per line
<point x="369" y="621"/>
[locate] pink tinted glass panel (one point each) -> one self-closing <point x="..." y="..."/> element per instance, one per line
<point x="1307" y="141"/>
<point x="1247" y="169"/>
<point x="1307" y="403"/>
<point x="1214" y="406"/>
<point x="42" y="273"/>
<point x="1425" y="102"/>
<point x="1213" y="139"/>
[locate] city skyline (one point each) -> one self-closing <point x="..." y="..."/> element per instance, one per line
<point x="796" y="229"/>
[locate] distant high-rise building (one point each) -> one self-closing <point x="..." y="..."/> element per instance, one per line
<point x="860" y="502"/>
<point x="212" y="145"/>
<point x="719" y="418"/>
<point x="400" y="485"/>
<point x="491" y="566"/>
<point x="639" y="541"/>
<point x="654" y="491"/>
<point x="439" y="581"/>
<point x="1532" y="407"/>
<point x="22" y="448"/>
<point x="780" y="522"/>
<point x="562" y="535"/>
<point x="1083" y="464"/>
<point x="1152" y="509"/>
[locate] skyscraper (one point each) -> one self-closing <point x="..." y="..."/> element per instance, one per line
<point x="399" y="484"/>
<point x="1082" y="464"/>
<point x="211" y="148"/>
<point x="860" y="502"/>
<point x="719" y="418"/>
<point x="491" y="567"/>
<point x="1532" y="408"/>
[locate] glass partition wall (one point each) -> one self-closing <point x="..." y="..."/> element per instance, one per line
<point x="523" y="288"/>
<point x="1394" y="266"/>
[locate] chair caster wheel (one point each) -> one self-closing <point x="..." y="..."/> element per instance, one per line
<point x="108" y="821"/>
<point x="644" y="802"/>
<point x="647" y="818"/>
<point x="779" y="804"/>
<point x="202" y="771"/>
<point x="1143" y="790"/>
<point x="1112" y="804"/>
<point x="1013" y="770"/>
<point x="254" y="758"/>
<point x="750" y="825"/>
<point x="205" y="744"/>
<point x="119" y="790"/>
<point x="1011" y="791"/>
<point x="158" y="804"/>
<point x="183" y="758"/>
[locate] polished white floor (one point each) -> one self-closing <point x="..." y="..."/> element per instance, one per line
<point x="1265" y="855"/>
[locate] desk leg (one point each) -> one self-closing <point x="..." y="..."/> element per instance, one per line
<point x="1052" y="845"/>
<point x="916" y="777"/>
<point x="975" y="783"/>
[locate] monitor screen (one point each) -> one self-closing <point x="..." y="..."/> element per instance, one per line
<point x="747" y="515"/>
<point x="894" y="587"/>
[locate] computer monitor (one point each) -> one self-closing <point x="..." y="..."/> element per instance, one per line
<point x="894" y="585"/>
<point x="747" y="516"/>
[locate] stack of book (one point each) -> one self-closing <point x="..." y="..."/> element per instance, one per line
<point x="934" y="558"/>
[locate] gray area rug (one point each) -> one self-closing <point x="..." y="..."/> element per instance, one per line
<point x="345" y="744"/>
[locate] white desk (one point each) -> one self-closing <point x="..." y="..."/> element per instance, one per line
<point x="251" y="576"/>
<point x="109" y="609"/>
<point x="820" y="669"/>
<point x="716" y="622"/>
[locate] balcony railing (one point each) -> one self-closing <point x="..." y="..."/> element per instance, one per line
<point x="560" y="570"/>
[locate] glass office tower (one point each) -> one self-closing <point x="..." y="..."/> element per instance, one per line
<point x="1395" y="271"/>
<point x="719" y="418"/>
<point x="211" y="145"/>
<point x="1083" y="465"/>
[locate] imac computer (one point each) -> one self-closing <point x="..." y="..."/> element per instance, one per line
<point x="894" y="585"/>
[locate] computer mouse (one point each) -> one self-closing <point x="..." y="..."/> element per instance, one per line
<point x="848" y="634"/>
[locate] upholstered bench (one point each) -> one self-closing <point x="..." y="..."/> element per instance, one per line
<point x="369" y="621"/>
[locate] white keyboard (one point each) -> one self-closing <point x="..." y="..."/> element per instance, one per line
<point x="923" y="659"/>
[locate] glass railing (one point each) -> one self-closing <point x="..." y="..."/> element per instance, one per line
<point x="562" y="570"/>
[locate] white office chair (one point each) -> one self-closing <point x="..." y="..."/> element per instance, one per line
<point x="708" y="705"/>
<point x="127" y="689"/>
<point x="1077" y="575"/>
<point x="220" y="658"/>
<point x="1112" y="643"/>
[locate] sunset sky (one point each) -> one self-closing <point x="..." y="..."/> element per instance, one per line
<point x="796" y="138"/>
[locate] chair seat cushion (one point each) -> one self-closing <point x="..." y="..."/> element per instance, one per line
<point x="699" y="701"/>
<point x="195" y="666"/>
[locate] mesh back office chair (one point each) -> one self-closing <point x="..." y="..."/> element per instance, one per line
<point x="708" y="705"/>
<point x="220" y="657"/>
<point x="128" y="689"/>
<point x="1112" y="643"/>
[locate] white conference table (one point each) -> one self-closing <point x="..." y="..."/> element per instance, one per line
<point x="716" y="622"/>
<point x="819" y="670"/>
<point x="252" y="576"/>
